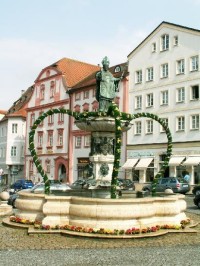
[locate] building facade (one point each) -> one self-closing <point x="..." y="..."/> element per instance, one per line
<point x="164" y="79"/>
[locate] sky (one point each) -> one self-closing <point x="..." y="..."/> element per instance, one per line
<point x="35" y="34"/>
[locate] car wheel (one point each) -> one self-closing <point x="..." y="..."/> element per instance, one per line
<point x="197" y="192"/>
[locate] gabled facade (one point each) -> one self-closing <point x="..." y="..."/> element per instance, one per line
<point x="164" y="79"/>
<point x="53" y="137"/>
<point x="83" y="98"/>
<point x="12" y="139"/>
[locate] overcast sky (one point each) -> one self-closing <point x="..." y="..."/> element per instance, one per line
<point x="35" y="34"/>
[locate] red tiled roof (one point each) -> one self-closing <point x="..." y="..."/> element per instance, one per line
<point x="74" y="71"/>
<point x="91" y="80"/>
<point x="3" y="112"/>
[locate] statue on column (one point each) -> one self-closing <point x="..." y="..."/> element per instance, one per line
<point x="107" y="85"/>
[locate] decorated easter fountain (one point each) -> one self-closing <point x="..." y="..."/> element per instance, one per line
<point x="110" y="216"/>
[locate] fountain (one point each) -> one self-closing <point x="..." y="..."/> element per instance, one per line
<point x="104" y="209"/>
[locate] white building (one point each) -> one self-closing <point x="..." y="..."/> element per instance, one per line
<point x="164" y="79"/>
<point x="12" y="139"/>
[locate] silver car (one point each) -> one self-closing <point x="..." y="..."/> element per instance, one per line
<point x="39" y="188"/>
<point x="178" y="185"/>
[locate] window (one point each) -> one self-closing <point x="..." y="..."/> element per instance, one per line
<point x="60" y="137"/>
<point x="78" y="140"/>
<point x="60" y="118"/>
<point x="13" y="151"/>
<point x="153" y="47"/>
<point x="87" y="141"/>
<point x="164" y="97"/>
<point x="138" y="76"/>
<point x="164" y="42"/>
<point x="50" y="138"/>
<point x="52" y="89"/>
<point x="117" y="69"/>
<point x="150" y="74"/>
<point x="85" y="107"/>
<point x="42" y="88"/>
<point x="180" y="95"/>
<point x="175" y="40"/>
<point x="40" y="139"/>
<point x="195" y="92"/>
<point x="180" y="123"/>
<point x="150" y="100"/>
<point x="86" y="95"/>
<point x="164" y="71"/>
<point x="166" y="121"/>
<point x="30" y="166"/>
<point x="138" y="128"/>
<point x="48" y="165"/>
<point x="42" y="122"/>
<point x="77" y="108"/>
<point x="32" y="119"/>
<point x="194" y="63"/>
<point x="195" y="122"/>
<point x="149" y="127"/>
<point x="77" y="96"/>
<point x="51" y="119"/>
<point x="180" y="66"/>
<point x="14" y="128"/>
<point x="138" y="102"/>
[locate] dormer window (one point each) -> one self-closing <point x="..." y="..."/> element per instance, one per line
<point x="52" y="89"/>
<point x="117" y="69"/>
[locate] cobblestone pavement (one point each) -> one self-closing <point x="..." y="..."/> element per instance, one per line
<point x="171" y="249"/>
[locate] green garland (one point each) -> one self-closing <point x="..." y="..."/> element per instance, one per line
<point x="114" y="112"/>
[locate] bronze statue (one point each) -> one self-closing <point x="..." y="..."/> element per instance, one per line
<point x="107" y="85"/>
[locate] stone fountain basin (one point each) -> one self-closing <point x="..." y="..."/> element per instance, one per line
<point x="101" y="213"/>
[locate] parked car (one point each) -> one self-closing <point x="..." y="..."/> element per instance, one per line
<point x="78" y="184"/>
<point x="22" y="184"/>
<point x="197" y="200"/>
<point x="39" y="188"/>
<point x="12" y="199"/>
<point x="178" y="185"/>
<point x="126" y="184"/>
<point x="196" y="190"/>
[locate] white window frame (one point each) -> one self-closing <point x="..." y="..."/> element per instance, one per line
<point x="149" y="126"/>
<point x="166" y="120"/>
<point x="13" y="151"/>
<point x="194" y="122"/>
<point x="138" y="128"/>
<point x="194" y="63"/>
<point x="149" y="74"/>
<point x="153" y="47"/>
<point x="149" y="99"/>
<point x="194" y="92"/>
<point x="138" y="76"/>
<point x="180" y="66"/>
<point x="87" y="141"/>
<point x="176" y="40"/>
<point x="165" y="42"/>
<point x="164" y="70"/>
<point x="138" y="102"/>
<point x="180" y="95"/>
<point x="78" y="141"/>
<point x="180" y="125"/>
<point x="164" y="97"/>
<point x="14" y="128"/>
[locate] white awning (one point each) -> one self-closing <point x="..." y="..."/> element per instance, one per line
<point x="192" y="160"/>
<point x="130" y="163"/>
<point x="176" y="160"/>
<point x="143" y="163"/>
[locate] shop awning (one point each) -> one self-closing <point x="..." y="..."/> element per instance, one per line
<point x="130" y="163"/>
<point x="143" y="163"/>
<point x="176" y="160"/>
<point x="192" y="160"/>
